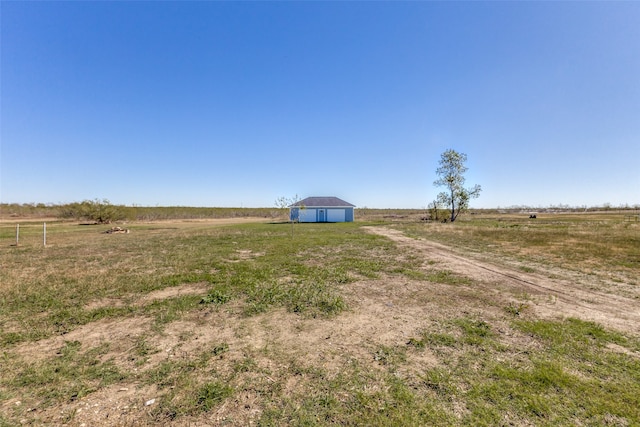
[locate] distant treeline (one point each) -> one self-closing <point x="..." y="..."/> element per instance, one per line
<point x="103" y="211"/>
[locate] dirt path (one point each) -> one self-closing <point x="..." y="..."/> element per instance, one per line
<point x="552" y="297"/>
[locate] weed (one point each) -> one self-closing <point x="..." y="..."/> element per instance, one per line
<point x="211" y="394"/>
<point x="433" y="339"/>
<point x="216" y="297"/>
<point x="516" y="309"/>
<point x="439" y="339"/>
<point x="416" y="342"/>
<point x="9" y="338"/>
<point x="245" y="365"/>
<point x="439" y="380"/>
<point x="389" y="356"/>
<point x="141" y="351"/>
<point x="475" y="332"/>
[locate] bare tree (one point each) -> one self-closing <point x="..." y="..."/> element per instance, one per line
<point x="285" y="203"/>
<point x="451" y="176"/>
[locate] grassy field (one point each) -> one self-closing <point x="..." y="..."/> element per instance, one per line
<point x="213" y="323"/>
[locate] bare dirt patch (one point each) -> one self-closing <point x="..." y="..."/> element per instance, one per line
<point x="245" y="254"/>
<point x="104" y="302"/>
<point x="619" y="349"/>
<point x="278" y="345"/>
<point x="124" y="335"/>
<point x="120" y="333"/>
<point x="170" y="292"/>
<point x="173" y="291"/>
<point x="561" y="297"/>
<point x="116" y="405"/>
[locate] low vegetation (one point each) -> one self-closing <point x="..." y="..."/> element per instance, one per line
<point x="602" y="245"/>
<point x="103" y="211"/>
<point x="189" y="322"/>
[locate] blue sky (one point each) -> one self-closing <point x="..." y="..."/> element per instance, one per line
<point x="239" y="103"/>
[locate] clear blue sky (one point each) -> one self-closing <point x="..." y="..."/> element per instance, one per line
<point x="238" y="103"/>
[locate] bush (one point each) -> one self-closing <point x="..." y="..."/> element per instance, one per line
<point x="99" y="211"/>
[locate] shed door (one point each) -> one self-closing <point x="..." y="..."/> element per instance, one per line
<point x="322" y="215"/>
<point x="335" y="215"/>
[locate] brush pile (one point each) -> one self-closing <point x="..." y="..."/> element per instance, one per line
<point x="117" y="230"/>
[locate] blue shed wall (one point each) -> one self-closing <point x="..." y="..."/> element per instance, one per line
<point x="294" y="213"/>
<point x="348" y="215"/>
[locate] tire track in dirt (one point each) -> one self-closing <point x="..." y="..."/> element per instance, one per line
<point x="554" y="297"/>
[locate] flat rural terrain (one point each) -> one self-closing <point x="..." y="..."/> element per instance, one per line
<point x="491" y="320"/>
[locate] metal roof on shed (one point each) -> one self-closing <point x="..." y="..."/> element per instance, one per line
<point x="322" y="202"/>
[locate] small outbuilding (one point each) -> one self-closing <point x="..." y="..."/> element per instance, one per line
<point x="321" y="209"/>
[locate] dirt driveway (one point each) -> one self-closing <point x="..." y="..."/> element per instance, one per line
<point x="563" y="296"/>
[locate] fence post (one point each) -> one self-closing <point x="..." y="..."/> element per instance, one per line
<point x="17" y="234"/>
<point x="44" y="234"/>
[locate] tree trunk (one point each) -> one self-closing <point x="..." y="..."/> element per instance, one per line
<point x="453" y="207"/>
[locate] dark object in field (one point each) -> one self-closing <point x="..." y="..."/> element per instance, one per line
<point x="117" y="230"/>
<point x="532" y="216"/>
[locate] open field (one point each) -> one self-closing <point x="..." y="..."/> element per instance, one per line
<point x="492" y="320"/>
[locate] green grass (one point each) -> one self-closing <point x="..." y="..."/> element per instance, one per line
<point x="447" y="277"/>
<point x="186" y="393"/>
<point x="355" y="396"/>
<point x="303" y="273"/>
<point x="470" y="362"/>
<point x="566" y="377"/>
<point x="259" y="267"/>
<point x="572" y="377"/>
